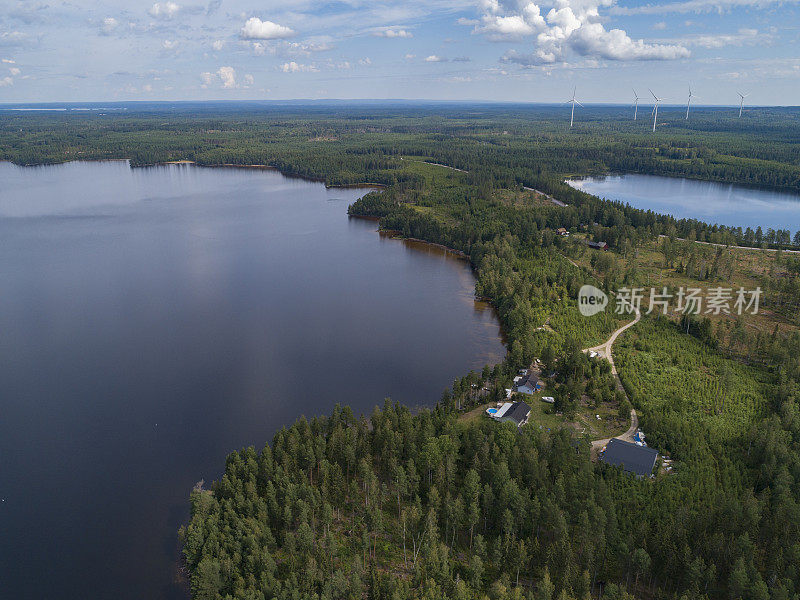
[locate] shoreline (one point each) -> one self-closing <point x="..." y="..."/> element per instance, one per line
<point x="371" y="185"/>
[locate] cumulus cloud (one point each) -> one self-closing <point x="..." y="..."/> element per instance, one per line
<point x="15" y="71"/>
<point x="592" y="39"/>
<point x="218" y="45"/>
<point x="170" y="44"/>
<point x="224" y="75"/>
<point x="109" y="24"/>
<point x="6" y="81"/>
<point x="256" y="29"/>
<point x="228" y="77"/>
<point x="164" y="10"/>
<point x="393" y="32"/>
<point x="433" y="58"/>
<point x="249" y="80"/>
<point x="9" y="61"/>
<point x="570" y="25"/>
<point x="294" y="67"/>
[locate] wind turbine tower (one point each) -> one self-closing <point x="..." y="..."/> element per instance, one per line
<point x="741" y="102"/>
<point x="635" y="105"/>
<point x="689" y="101"/>
<point x="655" y="108"/>
<point x="573" y="102"/>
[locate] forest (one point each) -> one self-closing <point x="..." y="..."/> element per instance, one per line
<point x="430" y="505"/>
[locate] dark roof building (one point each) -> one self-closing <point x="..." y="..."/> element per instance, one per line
<point x="598" y="245"/>
<point x="527" y="384"/>
<point x="517" y="414"/>
<point x="635" y="459"/>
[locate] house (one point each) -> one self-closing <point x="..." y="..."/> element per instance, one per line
<point x="527" y="384"/>
<point x="517" y="413"/>
<point x="512" y="412"/>
<point x="562" y="232"/>
<point x="598" y="245"/>
<point x="633" y="458"/>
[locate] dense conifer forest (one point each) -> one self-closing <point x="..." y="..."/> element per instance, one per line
<point x="438" y="505"/>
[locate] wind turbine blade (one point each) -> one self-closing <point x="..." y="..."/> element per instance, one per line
<point x="579" y="104"/>
<point x="654" y="96"/>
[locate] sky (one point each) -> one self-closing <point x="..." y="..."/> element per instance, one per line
<point x="491" y="50"/>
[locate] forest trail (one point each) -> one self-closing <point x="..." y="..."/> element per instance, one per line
<point x="604" y="350"/>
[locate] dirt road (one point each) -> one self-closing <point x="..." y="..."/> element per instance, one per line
<point x="604" y="350"/>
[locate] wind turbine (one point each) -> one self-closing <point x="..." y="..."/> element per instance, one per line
<point x="741" y="102"/>
<point x="655" y="108"/>
<point x="635" y="105"/>
<point x="689" y="101"/>
<point x="573" y="102"/>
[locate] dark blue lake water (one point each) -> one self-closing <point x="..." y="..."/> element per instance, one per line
<point x="153" y="320"/>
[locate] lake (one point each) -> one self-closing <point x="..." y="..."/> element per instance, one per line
<point x="721" y="203"/>
<point x="153" y="320"/>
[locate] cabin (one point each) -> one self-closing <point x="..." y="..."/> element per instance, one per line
<point x="598" y="245"/>
<point x="562" y="232"/>
<point x="527" y="384"/>
<point x="634" y="459"/>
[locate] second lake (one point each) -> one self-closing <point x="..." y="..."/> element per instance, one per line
<point x="721" y="203"/>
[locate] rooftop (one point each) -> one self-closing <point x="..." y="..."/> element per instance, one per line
<point x="638" y="460"/>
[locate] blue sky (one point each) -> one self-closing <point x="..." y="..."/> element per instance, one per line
<point x="507" y="50"/>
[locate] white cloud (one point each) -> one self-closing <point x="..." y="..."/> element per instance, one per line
<point x="225" y="75"/>
<point x="594" y="40"/>
<point x="741" y="38"/>
<point x="164" y="10"/>
<point x="207" y="78"/>
<point x="15" y="71"/>
<point x="433" y="58"/>
<point x="218" y="45"/>
<point x="256" y="29"/>
<point x="249" y="79"/>
<point x="147" y="88"/>
<point x="694" y="6"/>
<point x="393" y="32"/>
<point x="170" y="44"/>
<point x="570" y="25"/>
<point x="9" y="61"/>
<point x="365" y="62"/>
<point x="293" y="67"/>
<point x="660" y="25"/>
<point x="307" y="48"/>
<point x="109" y="25"/>
<point x="228" y="77"/>
<point x="6" y="81"/>
<point x="14" y="38"/>
<point x="410" y="56"/>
